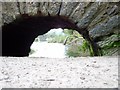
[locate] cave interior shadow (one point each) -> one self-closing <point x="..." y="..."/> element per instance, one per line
<point x="18" y="36"/>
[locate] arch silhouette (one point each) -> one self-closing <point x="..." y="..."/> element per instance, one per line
<point x="18" y="35"/>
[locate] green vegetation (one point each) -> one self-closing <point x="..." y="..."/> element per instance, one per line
<point x="75" y="44"/>
<point x="110" y="45"/>
<point x="56" y="39"/>
<point x="86" y="46"/>
<point x="77" y="50"/>
<point x="111" y="48"/>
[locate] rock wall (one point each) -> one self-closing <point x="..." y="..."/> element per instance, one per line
<point x="101" y="18"/>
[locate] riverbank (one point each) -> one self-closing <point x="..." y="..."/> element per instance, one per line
<point x="82" y="72"/>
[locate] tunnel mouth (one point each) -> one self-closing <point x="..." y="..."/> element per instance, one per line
<point x="60" y="43"/>
<point x="21" y="35"/>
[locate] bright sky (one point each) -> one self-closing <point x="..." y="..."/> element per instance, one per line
<point x="57" y="31"/>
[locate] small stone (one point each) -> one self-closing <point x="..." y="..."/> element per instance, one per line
<point x="82" y="78"/>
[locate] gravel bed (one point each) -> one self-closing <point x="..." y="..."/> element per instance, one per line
<point x="82" y="72"/>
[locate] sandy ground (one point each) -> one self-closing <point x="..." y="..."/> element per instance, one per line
<point x="97" y="72"/>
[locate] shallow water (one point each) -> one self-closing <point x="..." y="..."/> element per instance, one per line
<point x="50" y="50"/>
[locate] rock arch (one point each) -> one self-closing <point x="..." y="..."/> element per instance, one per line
<point x="18" y="35"/>
<point x="101" y="18"/>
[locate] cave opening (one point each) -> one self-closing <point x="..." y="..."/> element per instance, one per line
<point x="18" y="36"/>
<point x="60" y="43"/>
<point x="49" y="45"/>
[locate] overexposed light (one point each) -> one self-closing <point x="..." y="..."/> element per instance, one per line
<point x="56" y="31"/>
<point x="49" y="50"/>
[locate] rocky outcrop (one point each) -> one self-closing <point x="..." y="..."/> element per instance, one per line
<point x="101" y="18"/>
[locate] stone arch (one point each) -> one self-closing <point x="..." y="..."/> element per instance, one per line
<point x="20" y="34"/>
<point x="96" y="16"/>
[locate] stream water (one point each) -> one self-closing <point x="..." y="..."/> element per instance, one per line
<point x="50" y="50"/>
